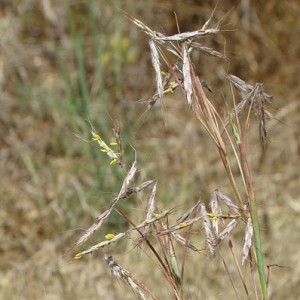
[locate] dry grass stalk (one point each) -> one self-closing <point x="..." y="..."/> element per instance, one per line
<point x="186" y="77"/>
<point x="211" y="121"/>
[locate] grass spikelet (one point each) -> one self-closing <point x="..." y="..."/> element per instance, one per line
<point x="207" y="51"/>
<point x="247" y="240"/>
<point x="106" y="149"/>
<point x="180" y="37"/>
<point x="231" y="225"/>
<point x="186" y="70"/>
<point x="210" y="238"/>
<point x="151" y="206"/>
<point x="216" y="210"/>
<point x="227" y="201"/>
<point x="145" y="28"/>
<point x="156" y="66"/>
<point x="181" y="225"/>
<point x="101" y="244"/>
<point x="191" y="211"/>
<point x="121" y="274"/>
<point x="253" y="97"/>
<point x="184" y="242"/>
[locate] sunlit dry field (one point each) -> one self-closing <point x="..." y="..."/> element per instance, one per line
<point x="65" y="65"/>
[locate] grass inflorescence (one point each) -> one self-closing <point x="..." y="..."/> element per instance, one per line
<point x="166" y="231"/>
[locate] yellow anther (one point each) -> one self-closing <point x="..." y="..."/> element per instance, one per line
<point x="155" y="215"/>
<point x="212" y="216"/>
<point x="113" y="162"/>
<point x="182" y="225"/>
<point x="96" y="138"/>
<point x="110" y="236"/>
<point x="78" y="255"/>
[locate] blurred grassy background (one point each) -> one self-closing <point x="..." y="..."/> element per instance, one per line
<point x="63" y="62"/>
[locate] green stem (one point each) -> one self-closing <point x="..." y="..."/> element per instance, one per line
<point x="255" y="223"/>
<point x="258" y="249"/>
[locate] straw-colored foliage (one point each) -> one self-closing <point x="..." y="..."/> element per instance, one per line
<point x="138" y="145"/>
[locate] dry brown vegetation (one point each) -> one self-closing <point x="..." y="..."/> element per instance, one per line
<point x="62" y="61"/>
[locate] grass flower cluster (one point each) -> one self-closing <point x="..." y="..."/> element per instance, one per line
<point x="165" y="231"/>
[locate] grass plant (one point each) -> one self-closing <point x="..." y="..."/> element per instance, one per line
<point x="177" y="195"/>
<point x="158" y="232"/>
